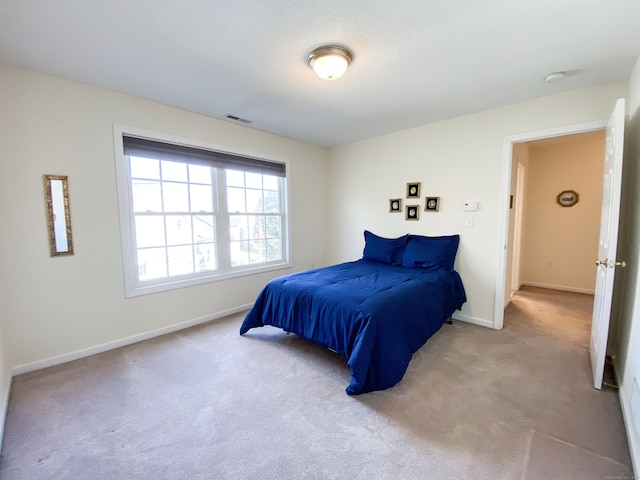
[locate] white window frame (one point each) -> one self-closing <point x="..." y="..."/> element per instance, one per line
<point x="133" y="288"/>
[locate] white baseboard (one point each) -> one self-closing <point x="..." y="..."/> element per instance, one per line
<point x="87" y="352"/>
<point x="634" y="446"/>
<point x="476" y="321"/>
<point x="560" y="287"/>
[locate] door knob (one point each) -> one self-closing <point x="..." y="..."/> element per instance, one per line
<point x="610" y="263"/>
<point x="613" y="264"/>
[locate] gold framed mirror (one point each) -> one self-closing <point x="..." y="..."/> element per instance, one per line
<point x="56" y="192"/>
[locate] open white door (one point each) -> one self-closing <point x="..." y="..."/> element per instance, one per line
<point x="606" y="261"/>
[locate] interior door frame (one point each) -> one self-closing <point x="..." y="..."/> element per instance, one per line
<point x="516" y="257"/>
<point x="505" y="192"/>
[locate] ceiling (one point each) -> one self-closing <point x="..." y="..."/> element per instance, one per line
<point x="415" y="61"/>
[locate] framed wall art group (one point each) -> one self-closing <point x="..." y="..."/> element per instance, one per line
<point x="412" y="211"/>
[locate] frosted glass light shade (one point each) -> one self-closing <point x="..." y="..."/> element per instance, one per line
<point x="329" y="62"/>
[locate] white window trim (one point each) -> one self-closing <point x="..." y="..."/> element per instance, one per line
<point x="132" y="289"/>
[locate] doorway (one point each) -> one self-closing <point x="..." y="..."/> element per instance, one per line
<point x="554" y="241"/>
<point x="504" y="280"/>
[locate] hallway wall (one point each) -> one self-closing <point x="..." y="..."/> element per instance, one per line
<point x="561" y="243"/>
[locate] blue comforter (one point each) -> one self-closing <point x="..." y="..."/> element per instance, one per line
<point x="374" y="314"/>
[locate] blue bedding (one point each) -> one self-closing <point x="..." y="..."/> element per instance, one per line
<point x="374" y="314"/>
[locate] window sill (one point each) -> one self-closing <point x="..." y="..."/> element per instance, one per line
<point x="149" y="288"/>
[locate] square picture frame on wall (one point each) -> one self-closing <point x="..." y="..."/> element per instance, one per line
<point x="413" y="190"/>
<point x="395" y="205"/>
<point x="412" y="212"/>
<point x="431" y="204"/>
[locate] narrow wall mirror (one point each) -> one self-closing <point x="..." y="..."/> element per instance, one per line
<point x="56" y="191"/>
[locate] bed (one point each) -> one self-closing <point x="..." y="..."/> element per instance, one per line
<point x="376" y="311"/>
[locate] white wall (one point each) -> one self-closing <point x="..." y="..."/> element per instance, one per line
<point x="458" y="160"/>
<point x="52" y="307"/>
<point x="561" y="243"/>
<point x="626" y="311"/>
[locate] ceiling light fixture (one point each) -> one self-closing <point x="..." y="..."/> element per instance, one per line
<point x="330" y="61"/>
<point x="555" y="77"/>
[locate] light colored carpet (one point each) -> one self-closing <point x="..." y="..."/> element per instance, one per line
<point x="206" y="403"/>
<point x="553" y="458"/>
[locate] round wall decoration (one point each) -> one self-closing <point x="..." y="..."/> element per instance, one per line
<point x="568" y="198"/>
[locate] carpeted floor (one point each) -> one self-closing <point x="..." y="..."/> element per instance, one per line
<point x="206" y="403"/>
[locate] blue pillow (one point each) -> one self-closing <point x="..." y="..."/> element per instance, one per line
<point x="431" y="252"/>
<point x="383" y="250"/>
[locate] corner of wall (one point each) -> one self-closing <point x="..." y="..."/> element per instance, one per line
<point x="5" y="385"/>
<point x="628" y="334"/>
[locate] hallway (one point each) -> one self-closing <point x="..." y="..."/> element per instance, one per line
<point x="563" y="314"/>
<point x="562" y="321"/>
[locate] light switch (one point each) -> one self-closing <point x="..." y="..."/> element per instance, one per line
<point x="468" y="222"/>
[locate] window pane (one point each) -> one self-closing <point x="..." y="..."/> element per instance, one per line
<point x="270" y="182"/>
<point x="271" y="202"/>
<point x="175" y="171"/>
<point x="235" y="178"/>
<point x="176" y="197"/>
<point x="204" y="228"/>
<point x="274" y="250"/>
<point x="273" y="227"/>
<point x="180" y="260"/>
<point x="254" y="201"/>
<point x="256" y="226"/>
<point x="238" y="227"/>
<point x="175" y="211"/>
<point x="149" y="231"/>
<point x="144" y="168"/>
<point x="239" y="254"/>
<point x="201" y="198"/>
<point x="146" y="196"/>
<point x="254" y="180"/>
<point x="178" y="229"/>
<point x="235" y="200"/>
<point x="206" y="257"/>
<point x="201" y="174"/>
<point x="257" y="251"/>
<point x="152" y="264"/>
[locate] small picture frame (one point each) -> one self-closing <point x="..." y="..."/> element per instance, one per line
<point x="395" y="205"/>
<point x="412" y="212"/>
<point x="413" y="190"/>
<point x="431" y="204"/>
<point x="568" y="198"/>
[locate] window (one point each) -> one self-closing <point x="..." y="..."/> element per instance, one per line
<point x="191" y="215"/>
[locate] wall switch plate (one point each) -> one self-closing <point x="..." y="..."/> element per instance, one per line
<point x="468" y="222"/>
